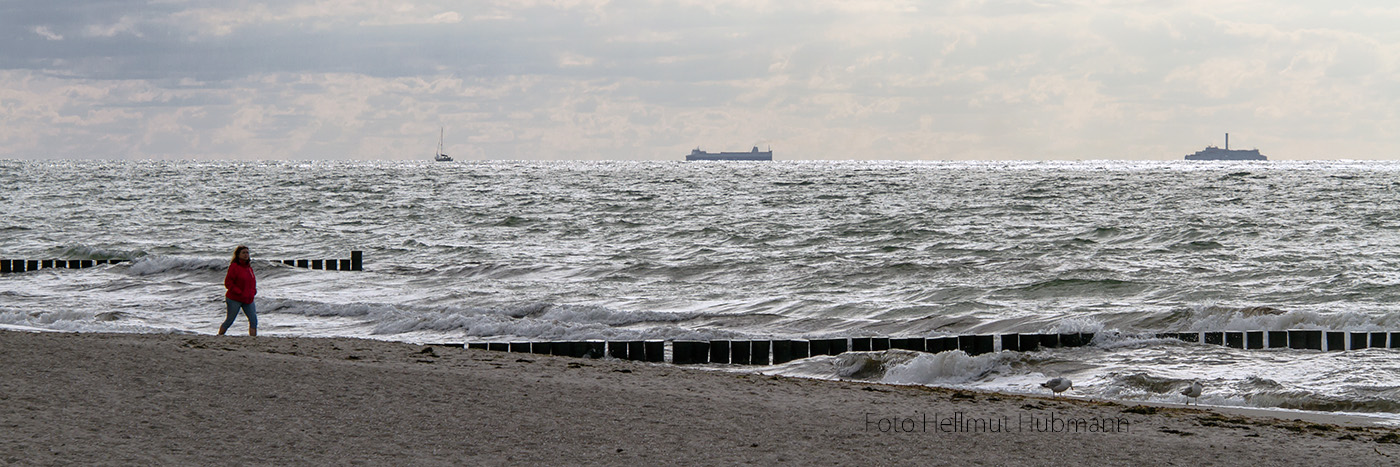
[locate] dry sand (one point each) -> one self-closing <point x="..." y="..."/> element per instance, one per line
<point x="179" y="399"/>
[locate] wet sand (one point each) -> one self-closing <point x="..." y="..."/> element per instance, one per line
<point x="185" y="399"/>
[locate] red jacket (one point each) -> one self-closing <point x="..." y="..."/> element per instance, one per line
<point x="241" y="284"/>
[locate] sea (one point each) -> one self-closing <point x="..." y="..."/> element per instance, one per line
<point x="668" y="250"/>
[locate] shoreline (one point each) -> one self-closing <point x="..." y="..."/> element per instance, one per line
<point x="202" y="399"/>
<point x="1336" y="418"/>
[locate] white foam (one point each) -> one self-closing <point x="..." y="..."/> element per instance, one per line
<point x="16" y="327"/>
<point x="955" y="367"/>
<point x="1082" y="324"/>
<point x="1111" y="339"/>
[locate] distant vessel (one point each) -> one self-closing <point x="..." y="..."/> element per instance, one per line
<point x="1212" y="153"/>
<point x="440" y="156"/>
<point x="754" y="155"/>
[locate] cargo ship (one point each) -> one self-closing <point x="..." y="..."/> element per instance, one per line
<point x="1212" y="153"/>
<point x="754" y="155"/>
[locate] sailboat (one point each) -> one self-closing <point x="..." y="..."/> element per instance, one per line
<point x="440" y="156"/>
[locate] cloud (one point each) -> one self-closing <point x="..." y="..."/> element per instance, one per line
<point x="649" y="79"/>
<point x="411" y="17"/>
<point x="44" y="32"/>
<point x="124" y="25"/>
<point x="575" y="60"/>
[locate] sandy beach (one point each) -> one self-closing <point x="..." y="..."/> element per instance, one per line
<point x="195" y="399"/>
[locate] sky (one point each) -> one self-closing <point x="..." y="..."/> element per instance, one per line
<point x="651" y="80"/>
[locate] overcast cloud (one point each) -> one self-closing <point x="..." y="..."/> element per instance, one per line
<point x="594" y="79"/>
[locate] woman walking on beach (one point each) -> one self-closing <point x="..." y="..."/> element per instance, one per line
<point x="242" y="286"/>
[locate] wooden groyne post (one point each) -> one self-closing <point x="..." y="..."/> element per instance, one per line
<point x="8" y="266"/>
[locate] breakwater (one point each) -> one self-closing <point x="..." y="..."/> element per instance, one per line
<point x="776" y="352"/>
<point x="354" y="263"/>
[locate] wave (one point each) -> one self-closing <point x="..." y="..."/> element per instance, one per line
<point x="1194" y="318"/>
<point x="1081" y="324"/>
<point x="955" y="367"/>
<point x="80" y="251"/>
<point x="1366" y="400"/>
<point x="1253" y="391"/>
<point x="1212" y="317"/>
<point x="73" y="320"/>
<point x="525" y="321"/>
<point x="160" y="264"/>
<point x="1073" y="287"/>
<point x="1108" y="340"/>
<point x="904" y="367"/>
<point x="1016" y="372"/>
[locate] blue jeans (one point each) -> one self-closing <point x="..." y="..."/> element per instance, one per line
<point x="233" y="307"/>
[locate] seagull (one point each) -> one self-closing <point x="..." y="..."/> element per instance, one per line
<point x="1058" y="385"/>
<point x="1193" y="391"/>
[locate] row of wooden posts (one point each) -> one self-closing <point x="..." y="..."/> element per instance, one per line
<point x="355" y="263"/>
<point x="775" y="352"/>
<point x="1302" y="339"/>
<point x="22" y="265"/>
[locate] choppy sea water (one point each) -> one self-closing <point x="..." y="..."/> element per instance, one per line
<point x="672" y="250"/>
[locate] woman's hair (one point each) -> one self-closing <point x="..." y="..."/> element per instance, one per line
<point x="235" y="253"/>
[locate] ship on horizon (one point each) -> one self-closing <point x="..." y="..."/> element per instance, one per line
<point x="1212" y="153"/>
<point x="440" y="157"/>
<point x="754" y="155"/>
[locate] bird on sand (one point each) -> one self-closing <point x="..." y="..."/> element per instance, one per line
<point x="1193" y="391"/>
<point x="1058" y="385"/>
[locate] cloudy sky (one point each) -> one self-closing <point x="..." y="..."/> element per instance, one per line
<point x="636" y="79"/>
